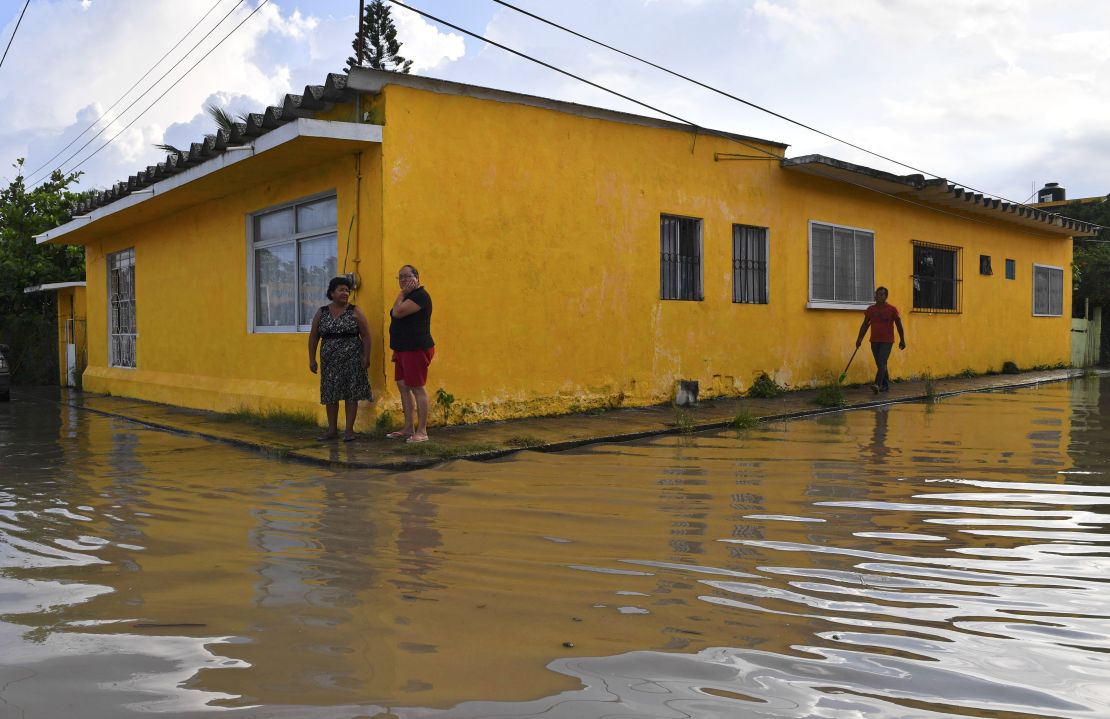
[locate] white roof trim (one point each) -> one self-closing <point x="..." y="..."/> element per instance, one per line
<point x="52" y="286"/>
<point x="301" y="127"/>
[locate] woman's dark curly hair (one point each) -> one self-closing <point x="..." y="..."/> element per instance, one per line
<point x="335" y="282"/>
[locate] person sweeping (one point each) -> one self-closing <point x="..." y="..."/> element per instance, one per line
<point x="882" y="317"/>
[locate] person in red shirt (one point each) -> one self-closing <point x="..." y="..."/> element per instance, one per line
<point x="882" y="317"/>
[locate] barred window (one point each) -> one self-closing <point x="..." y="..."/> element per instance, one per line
<point x="121" y="309"/>
<point x="841" y="265"/>
<point x="680" y="255"/>
<point x="1048" y="291"/>
<point x="293" y="255"/>
<point x="749" y="264"/>
<point x="936" y="278"/>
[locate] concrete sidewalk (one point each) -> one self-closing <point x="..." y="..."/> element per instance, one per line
<point x="488" y="440"/>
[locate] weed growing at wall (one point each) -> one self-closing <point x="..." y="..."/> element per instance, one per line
<point x="930" y="387"/>
<point x="968" y="372"/>
<point x="683" y="420"/>
<point x="765" y="388"/>
<point x="444" y="400"/>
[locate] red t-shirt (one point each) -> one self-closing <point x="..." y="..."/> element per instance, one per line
<point x="882" y="321"/>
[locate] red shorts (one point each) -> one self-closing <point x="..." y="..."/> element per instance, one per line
<point x="411" y="366"/>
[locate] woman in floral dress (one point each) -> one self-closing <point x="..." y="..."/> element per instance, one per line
<point x="344" y="357"/>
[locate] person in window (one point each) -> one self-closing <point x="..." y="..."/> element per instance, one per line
<point x="882" y="317"/>
<point x="344" y="357"/>
<point x="410" y="338"/>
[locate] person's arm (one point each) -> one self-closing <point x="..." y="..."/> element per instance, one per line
<point x="863" y="330"/>
<point x="403" y="306"/>
<point x="313" y="341"/>
<point x="364" y="335"/>
<point x="901" y="334"/>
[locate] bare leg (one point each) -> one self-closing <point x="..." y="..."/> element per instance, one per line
<point x="407" y="406"/>
<point x="421" y="398"/>
<point x="332" y="409"/>
<point x="351" y="411"/>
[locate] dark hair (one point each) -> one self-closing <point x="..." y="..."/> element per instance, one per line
<point x="335" y="282"/>
<point x="415" y="272"/>
<point x="880" y="288"/>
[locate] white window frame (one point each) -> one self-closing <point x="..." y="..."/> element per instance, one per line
<point x="813" y="304"/>
<point x="252" y="325"/>
<point x="114" y="359"/>
<point x="1034" y="298"/>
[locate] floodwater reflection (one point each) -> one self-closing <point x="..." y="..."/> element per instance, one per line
<point x="909" y="561"/>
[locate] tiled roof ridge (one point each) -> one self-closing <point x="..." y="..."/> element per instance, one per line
<point x="313" y="99"/>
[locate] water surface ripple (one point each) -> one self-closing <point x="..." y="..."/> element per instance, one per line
<point x="912" y="561"/>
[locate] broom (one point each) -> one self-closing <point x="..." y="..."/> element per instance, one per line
<point x="844" y="374"/>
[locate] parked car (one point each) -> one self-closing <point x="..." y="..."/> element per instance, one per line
<point x="5" y="374"/>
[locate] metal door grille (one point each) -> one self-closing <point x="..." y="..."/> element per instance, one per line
<point x="680" y="258"/>
<point x="749" y="264"/>
<point x="121" y="309"/>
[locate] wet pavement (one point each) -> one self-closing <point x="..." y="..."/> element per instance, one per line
<point x="915" y="560"/>
<point x="488" y="440"/>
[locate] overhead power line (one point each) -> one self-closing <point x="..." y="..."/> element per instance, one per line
<point x="104" y="114"/>
<point x="149" y="89"/>
<point x="737" y="99"/>
<point x="591" y="83"/>
<point x="14" y="31"/>
<point x="166" y="91"/>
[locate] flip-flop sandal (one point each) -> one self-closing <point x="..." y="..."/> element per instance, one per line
<point x="350" y="437"/>
<point x="326" y="437"/>
<point x="417" y="438"/>
<point x="398" y="435"/>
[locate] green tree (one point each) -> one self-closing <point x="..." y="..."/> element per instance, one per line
<point x="380" y="49"/>
<point x="1091" y="256"/>
<point x="27" y="321"/>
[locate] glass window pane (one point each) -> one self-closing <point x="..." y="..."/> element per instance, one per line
<point x="274" y="225"/>
<point x="318" y="261"/>
<point x="821" y="262"/>
<point x="316" y="215"/>
<point x="275" y="291"/>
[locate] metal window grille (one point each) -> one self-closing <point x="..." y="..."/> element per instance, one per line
<point x="1011" y="269"/>
<point x="121" y="309"/>
<point x="841" y="264"/>
<point x="937" y="285"/>
<point x="680" y="258"/>
<point x="749" y="264"/>
<point x="1048" y="291"/>
<point x="294" y="254"/>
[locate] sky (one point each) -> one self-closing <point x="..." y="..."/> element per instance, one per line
<point x="997" y="95"/>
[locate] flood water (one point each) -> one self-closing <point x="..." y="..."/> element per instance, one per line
<point x="946" y="560"/>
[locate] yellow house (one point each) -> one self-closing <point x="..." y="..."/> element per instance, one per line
<point x="577" y="256"/>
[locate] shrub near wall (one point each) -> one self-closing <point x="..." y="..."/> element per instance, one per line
<point x="32" y="339"/>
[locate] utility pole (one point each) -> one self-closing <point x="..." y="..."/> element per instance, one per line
<point x="361" y="33"/>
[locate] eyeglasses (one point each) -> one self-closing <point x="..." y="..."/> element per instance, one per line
<point x="406" y="277"/>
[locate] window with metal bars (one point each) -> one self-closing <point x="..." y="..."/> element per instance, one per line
<point x="121" y="309"/>
<point x="1048" y="291"/>
<point x="680" y="252"/>
<point x="936" y="278"/>
<point x="841" y="266"/>
<point x="749" y="264"/>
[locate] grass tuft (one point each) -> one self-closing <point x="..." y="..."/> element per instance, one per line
<point x="524" y="440"/>
<point x="277" y="419"/>
<point x="830" y="395"/>
<point x="683" y="420"/>
<point x="744" y="419"/>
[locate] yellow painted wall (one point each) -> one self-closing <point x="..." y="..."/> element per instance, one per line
<point x="537" y="234"/>
<point x="194" y="347"/>
<point x="71" y="318"/>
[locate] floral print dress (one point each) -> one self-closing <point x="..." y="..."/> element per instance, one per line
<point x="341" y="374"/>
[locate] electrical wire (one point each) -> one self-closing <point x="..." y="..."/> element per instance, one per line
<point x="740" y="99"/>
<point x="104" y="114"/>
<point x="14" y="31"/>
<point x="591" y="83"/>
<point x="166" y="91"/>
<point x="155" y="84"/>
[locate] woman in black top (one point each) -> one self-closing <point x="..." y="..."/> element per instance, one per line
<point x="344" y="356"/>
<point x="410" y="338"/>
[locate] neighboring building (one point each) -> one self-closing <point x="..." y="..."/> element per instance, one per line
<point x="577" y="257"/>
<point x="72" y="339"/>
<point x="1054" y="196"/>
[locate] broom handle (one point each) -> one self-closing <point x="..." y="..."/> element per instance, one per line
<point x="850" y="361"/>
